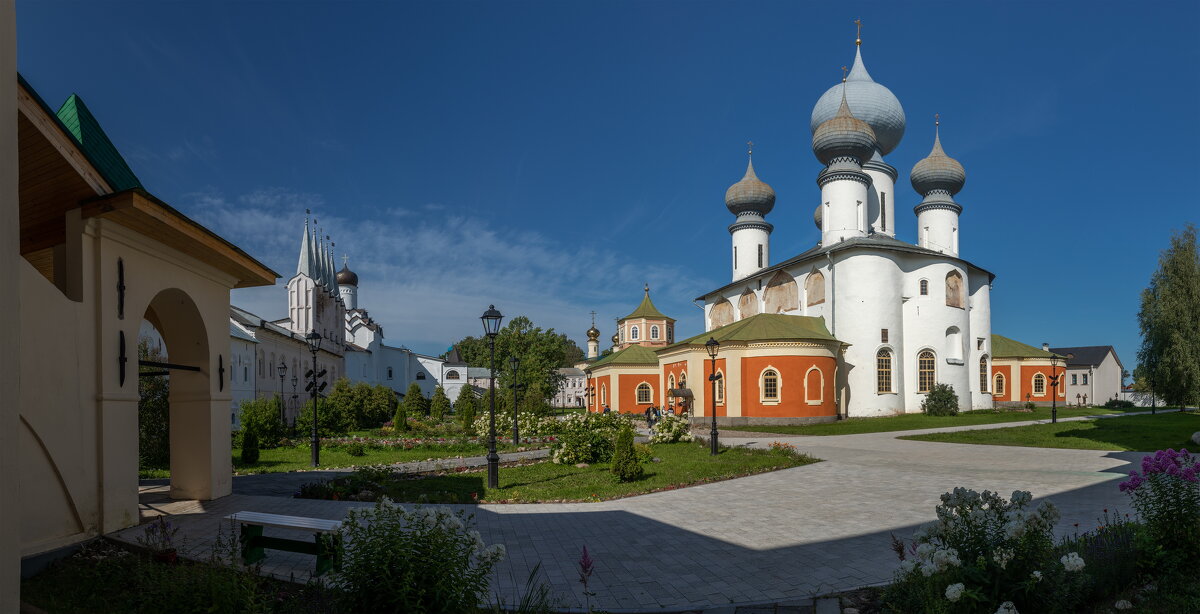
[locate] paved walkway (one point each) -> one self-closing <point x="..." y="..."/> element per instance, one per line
<point x="780" y="537"/>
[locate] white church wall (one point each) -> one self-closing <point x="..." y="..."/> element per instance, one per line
<point x="242" y="376"/>
<point x="867" y="300"/>
<point x="980" y="304"/>
<point x="937" y="230"/>
<point x="881" y="198"/>
<point x="844" y="215"/>
<point x="745" y="259"/>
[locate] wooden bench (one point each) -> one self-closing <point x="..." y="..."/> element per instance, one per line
<point x="254" y="543"/>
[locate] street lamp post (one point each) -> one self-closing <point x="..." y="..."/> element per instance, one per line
<point x="713" y="347"/>
<point x="515" y="363"/>
<point x="314" y="345"/>
<point x="491" y="326"/>
<point x="295" y="397"/>
<point x="1053" y="389"/>
<point x="282" y="369"/>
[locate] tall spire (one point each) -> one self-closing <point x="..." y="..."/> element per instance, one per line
<point x="305" y="266"/>
<point x="333" y="284"/>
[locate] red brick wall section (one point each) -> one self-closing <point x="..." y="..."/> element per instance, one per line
<point x="673" y="368"/>
<point x="1006" y="370"/>
<point x="792" y="370"/>
<point x="628" y="390"/>
<point x="1027" y="373"/>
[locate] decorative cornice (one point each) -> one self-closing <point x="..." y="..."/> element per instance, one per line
<point x="830" y="174"/>
<point x="883" y="167"/>
<point x="758" y="223"/>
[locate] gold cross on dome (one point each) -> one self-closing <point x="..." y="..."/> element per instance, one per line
<point x="844" y="70"/>
<point x="345" y="260"/>
<point x="937" y="119"/>
<point x="593" y="319"/>
<point x="858" y="36"/>
<point x="750" y="147"/>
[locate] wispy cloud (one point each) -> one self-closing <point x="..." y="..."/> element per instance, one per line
<point x="426" y="275"/>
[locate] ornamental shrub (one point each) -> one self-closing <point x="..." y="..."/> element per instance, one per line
<point x="587" y="438"/>
<point x="420" y="560"/>
<point x="625" y="463"/>
<point x="984" y="552"/>
<point x="529" y="424"/>
<point x="249" y="447"/>
<point x="1118" y="404"/>
<point x="1166" y="495"/>
<point x="941" y="401"/>
<point x="332" y="421"/>
<point x="356" y="449"/>
<point x="465" y="407"/>
<point x="439" y="405"/>
<point x="415" y="404"/>
<point x="671" y="429"/>
<point x="262" y="416"/>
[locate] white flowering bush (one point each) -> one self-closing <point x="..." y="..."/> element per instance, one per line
<point x="671" y="429"/>
<point x="587" y="438"/>
<point x="529" y="424"/>
<point x="987" y="554"/>
<point x="422" y="559"/>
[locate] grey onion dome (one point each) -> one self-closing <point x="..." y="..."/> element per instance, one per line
<point x="593" y="334"/>
<point x="346" y="277"/>
<point x="750" y="195"/>
<point x="843" y="135"/>
<point x="869" y="101"/>
<point x="937" y="171"/>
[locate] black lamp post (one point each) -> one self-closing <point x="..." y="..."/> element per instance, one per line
<point x="282" y="369"/>
<point x="491" y="327"/>
<point x="295" y="397"/>
<point x="713" y="347"/>
<point x="314" y="345"/>
<point x="515" y="363"/>
<point x="1053" y="389"/>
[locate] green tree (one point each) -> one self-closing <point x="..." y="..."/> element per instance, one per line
<point x="1169" y="319"/>
<point x="348" y="398"/>
<point x="625" y="463"/>
<point x="415" y="404"/>
<point x="154" y="413"/>
<point x="261" y="415"/>
<point x="379" y="405"/>
<point x="541" y="352"/>
<point x="439" y="406"/>
<point x="331" y="420"/>
<point x="466" y="406"/>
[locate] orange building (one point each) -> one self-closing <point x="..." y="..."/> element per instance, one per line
<point x="1023" y="373"/>
<point x="770" y="368"/>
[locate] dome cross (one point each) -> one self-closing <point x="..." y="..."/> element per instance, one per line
<point x="858" y="36"/>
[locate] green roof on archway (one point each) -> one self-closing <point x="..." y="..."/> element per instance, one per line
<point x="765" y="327"/>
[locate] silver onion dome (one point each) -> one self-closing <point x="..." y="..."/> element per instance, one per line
<point x="937" y="171"/>
<point x="750" y="195"/>
<point x="868" y="101"/>
<point x="843" y="135"/>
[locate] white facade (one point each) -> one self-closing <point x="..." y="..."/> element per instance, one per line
<point x="571" y="391"/>
<point x="242" y="369"/>
<point x="1094" y="374"/>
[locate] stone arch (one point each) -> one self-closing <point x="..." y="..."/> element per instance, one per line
<point x="748" y="303"/>
<point x="782" y="294"/>
<point x="954" y="290"/>
<point x="196" y="467"/>
<point x="720" y="314"/>
<point x="814" y="289"/>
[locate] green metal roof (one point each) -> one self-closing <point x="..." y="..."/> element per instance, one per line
<point x="632" y="355"/>
<point x="765" y="327"/>
<point x="647" y="310"/>
<point x="81" y="124"/>
<point x="1003" y="347"/>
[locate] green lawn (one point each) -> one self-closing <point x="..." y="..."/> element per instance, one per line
<point x="1132" y="433"/>
<point x="682" y="464"/>
<point x="908" y="422"/>
<point x="299" y="458"/>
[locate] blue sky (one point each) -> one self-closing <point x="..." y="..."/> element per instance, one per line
<point x="551" y="157"/>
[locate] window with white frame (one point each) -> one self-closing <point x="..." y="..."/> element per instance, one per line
<point x="633" y="333"/>
<point x="643" y="393"/>
<point x="770" y="385"/>
<point x="1039" y="385"/>
<point x="720" y="387"/>
<point x="814" y="386"/>
<point x="998" y="385"/>
<point x="654" y="333"/>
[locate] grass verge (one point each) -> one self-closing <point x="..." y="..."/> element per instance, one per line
<point x="681" y="465"/>
<point x="910" y="422"/>
<point x="1131" y="433"/>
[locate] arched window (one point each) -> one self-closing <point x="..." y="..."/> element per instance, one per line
<point x="670" y="333"/>
<point x="452" y="374"/>
<point x="262" y="364"/>
<point x="643" y="393"/>
<point x="654" y="333"/>
<point x="420" y="375"/>
<point x="389" y="373"/>
<point x="883" y="371"/>
<point x="683" y="380"/>
<point x="983" y="374"/>
<point x="998" y="385"/>
<point x="954" y="289"/>
<point x="770" y="385"/>
<point x="924" y="287"/>
<point x="633" y="333"/>
<point x="814" y="386"/>
<point x="814" y="289"/>
<point x="671" y="382"/>
<point x="720" y="387"/>
<point x="926" y="371"/>
<point x="1039" y="384"/>
<point x="604" y="394"/>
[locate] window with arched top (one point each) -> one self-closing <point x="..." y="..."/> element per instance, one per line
<point x="633" y="333"/>
<point x="998" y="385"/>
<point x="781" y="294"/>
<point x="452" y="374"/>
<point x="643" y="393"/>
<point x="883" y="371"/>
<point x="1039" y="385"/>
<point x="720" y="387"/>
<point x="983" y="374"/>
<point x="604" y="394"/>
<point x="814" y="386"/>
<point x="420" y="375"/>
<point x="671" y="382"/>
<point x="926" y="371"/>
<point x="770" y="385"/>
<point x="389" y="373"/>
<point x="654" y="333"/>
<point x="954" y="290"/>
<point x="814" y="289"/>
<point x="683" y="380"/>
<point x="924" y="287"/>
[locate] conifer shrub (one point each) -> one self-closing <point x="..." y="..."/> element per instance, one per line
<point x="439" y="405"/>
<point x="262" y="416"/>
<point x="625" y="462"/>
<point x="249" y="447"/>
<point x="941" y="401"/>
<point x="465" y="407"/>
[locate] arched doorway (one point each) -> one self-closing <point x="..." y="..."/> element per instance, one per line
<point x="194" y="466"/>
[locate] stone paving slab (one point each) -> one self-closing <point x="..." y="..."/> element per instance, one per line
<point x="781" y="537"/>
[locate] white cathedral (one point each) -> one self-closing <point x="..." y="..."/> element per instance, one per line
<point x="911" y="314"/>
